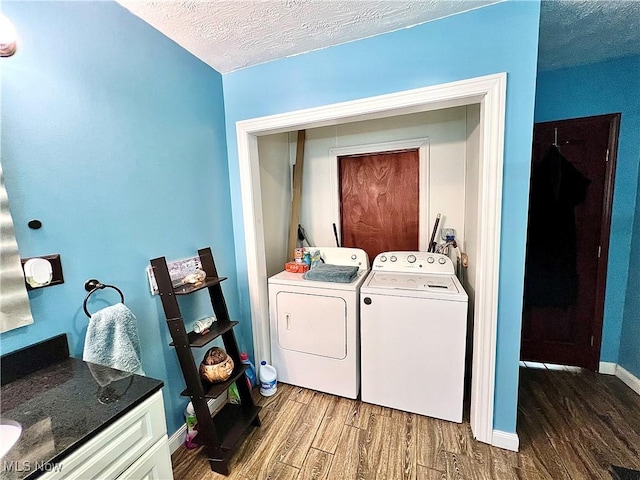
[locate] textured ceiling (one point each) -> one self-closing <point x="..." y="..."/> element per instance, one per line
<point x="232" y="34"/>
<point x="579" y="32"/>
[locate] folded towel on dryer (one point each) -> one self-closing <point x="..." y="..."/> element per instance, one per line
<point x="327" y="272"/>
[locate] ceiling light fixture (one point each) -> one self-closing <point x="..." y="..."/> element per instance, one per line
<point x="8" y="37"/>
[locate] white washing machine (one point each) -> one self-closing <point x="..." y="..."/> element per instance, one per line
<point x="315" y="326"/>
<point x="413" y="326"/>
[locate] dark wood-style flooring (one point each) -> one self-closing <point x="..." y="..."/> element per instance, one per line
<point x="571" y="426"/>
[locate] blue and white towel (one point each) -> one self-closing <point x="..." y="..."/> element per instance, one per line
<point x="112" y="339"/>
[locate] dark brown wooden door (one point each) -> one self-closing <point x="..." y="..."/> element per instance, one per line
<point x="379" y="201"/>
<point x="568" y="240"/>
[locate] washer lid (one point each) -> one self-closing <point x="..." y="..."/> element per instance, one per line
<point x="408" y="281"/>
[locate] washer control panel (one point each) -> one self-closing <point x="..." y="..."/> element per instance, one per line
<point x="413" y="262"/>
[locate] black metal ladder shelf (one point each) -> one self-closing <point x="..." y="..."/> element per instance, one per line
<point x="222" y="432"/>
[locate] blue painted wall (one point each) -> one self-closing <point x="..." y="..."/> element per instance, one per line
<point x="113" y="136"/>
<point x="498" y="38"/>
<point x="607" y="87"/>
<point x="629" y="357"/>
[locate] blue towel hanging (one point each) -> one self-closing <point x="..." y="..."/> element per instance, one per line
<point x="112" y="339"/>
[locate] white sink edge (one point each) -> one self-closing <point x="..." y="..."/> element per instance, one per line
<point x="10" y="432"/>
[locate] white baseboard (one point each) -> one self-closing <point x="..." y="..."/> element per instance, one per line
<point x="610" y="368"/>
<point x="506" y="440"/>
<point x="180" y="435"/>
<point x="607" y="368"/>
<point x="628" y="378"/>
<point x="177" y="438"/>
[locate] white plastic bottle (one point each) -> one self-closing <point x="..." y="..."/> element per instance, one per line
<point x="201" y="326"/>
<point x="268" y="379"/>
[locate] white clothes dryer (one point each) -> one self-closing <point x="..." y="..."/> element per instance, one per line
<point x="315" y="327"/>
<point x="413" y="325"/>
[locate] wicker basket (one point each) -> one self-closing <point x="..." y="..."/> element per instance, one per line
<point x="216" y="366"/>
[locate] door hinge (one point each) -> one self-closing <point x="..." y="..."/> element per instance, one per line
<point x="607" y="155"/>
<point x="592" y="340"/>
<point x="599" y="250"/>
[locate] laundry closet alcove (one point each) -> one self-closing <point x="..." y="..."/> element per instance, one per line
<point x="473" y="190"/>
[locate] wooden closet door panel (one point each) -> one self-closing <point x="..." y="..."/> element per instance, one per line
<point x="379" y="198"/>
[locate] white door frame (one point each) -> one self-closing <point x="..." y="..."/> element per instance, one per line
<point x="421" y="144"/>
<point x="490" y="92"/>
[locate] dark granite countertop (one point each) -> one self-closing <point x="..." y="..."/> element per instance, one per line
<point x="62" y="406"/>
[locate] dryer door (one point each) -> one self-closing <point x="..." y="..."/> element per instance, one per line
<point x="314" y="324"/>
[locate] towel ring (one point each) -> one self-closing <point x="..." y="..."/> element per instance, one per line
<point x="93" y="286"/>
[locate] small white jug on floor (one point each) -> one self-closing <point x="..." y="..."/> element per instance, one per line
<point x="268" y="379"/>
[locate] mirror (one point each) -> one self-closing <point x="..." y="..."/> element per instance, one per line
<point x="15" y="311"/>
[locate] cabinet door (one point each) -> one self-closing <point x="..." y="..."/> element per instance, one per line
<point x="314" y="324"/>
<point x="155" y="464"/>
<point x="109" y="453"/>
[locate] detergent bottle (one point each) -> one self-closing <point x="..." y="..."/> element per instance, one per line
<point x="250" y="372"/>
<point x="268" y="379"/>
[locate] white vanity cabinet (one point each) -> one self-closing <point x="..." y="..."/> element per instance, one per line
<point x="134" y="447"/>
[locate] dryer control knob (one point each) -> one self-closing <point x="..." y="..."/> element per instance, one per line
<point x="411" y="258"/>
<point x="353" y="257"/>
<point x="367" y="301"/>
<point x="383" y="258"/>
<point x="441" y="261"/>
<point x="430" y="259"/>
<point x="394" y="258"/>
